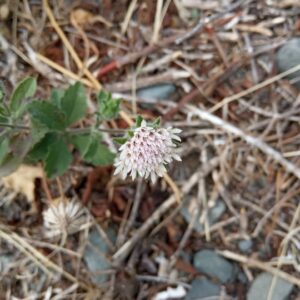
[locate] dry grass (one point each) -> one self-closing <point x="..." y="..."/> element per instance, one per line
<point x="240" y="145"/>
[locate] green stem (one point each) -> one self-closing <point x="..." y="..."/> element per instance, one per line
<point x="71" y="130"/>
<point x="14" y="126"/>
<point x="88" y="130"/>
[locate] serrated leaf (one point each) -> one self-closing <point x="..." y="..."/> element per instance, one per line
<point x="108" y="107"/>
<point x="58" y="159"/>
<point x="99" y="155"/>
<point x="73" y="103"/>
<point x="25" y="89"/>
<point x="92" y="150"/>
<point x="4" y="149"/>
<point x="47" y="114"/>
<point x="38" y="131"/>
<point x="82" y="142"/>
<point x="138" y="121"/>
<point x="40" y="150"/>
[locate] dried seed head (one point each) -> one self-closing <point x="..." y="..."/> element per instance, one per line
<point x="147" y="152"/>
<point x="63" y="217"/>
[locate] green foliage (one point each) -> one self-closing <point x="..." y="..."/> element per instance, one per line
<point x="121" y="140"/>
<point x="25" y="89"/>
<point x="99" y="155"/>
<point x="58" y="158"/>
<point x="16" y="148"/>
<point x="47" y="114"/>
<point x="73" y="103"/>
<point x="138" y="121"/>
<point x="156" y="122"/>
<point x="91" y="149"/>
<point x="4" y="149"/>
<point x="49" y="138"/>
<point x="56" y="96"/>
<point x="9" y="164"/>
<point x="108" y="107"/>
<point x="40" y="150"/>
<point x="2" y="91"/>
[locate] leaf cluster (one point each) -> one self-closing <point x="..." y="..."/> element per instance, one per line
<point x="51" y="137"/>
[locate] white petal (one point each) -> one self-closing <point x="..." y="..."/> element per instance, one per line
<point x="177" y="157"/>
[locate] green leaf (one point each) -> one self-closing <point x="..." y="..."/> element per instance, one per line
<point x="47" y="114"/>
<point x="4" y="149"/>
<point x="130" y="133"/>
<point x="156" y="122"/>
<point x="92" y="150"/>
<point x="18" y="147"/>
<point x="138" y="121"/>
<point x="40" y="150"/>
<point x="4" y="110"/>
<point x="58" y="159"/>
<point x="3" y="117"/>
<point x="108" y="107"/>
<point x="73" y="103"/>
<point x="82" y="142"/>
<point x="38" y="131"/>
<point x="121" y="140"/>
<point x="9" y="165"/>
<point x="56" y="96"/>
<point x="2" y="91"/>
<point x="99" y="155"/>
<point x="25" y="89"/>
<point x="21" y="144"/>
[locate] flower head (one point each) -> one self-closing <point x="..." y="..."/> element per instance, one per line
<point x="63" y="216"/>
<point x="147" y="151"/>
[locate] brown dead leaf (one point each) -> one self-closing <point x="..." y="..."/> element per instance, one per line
<point x="22" y="180"/>
<point x="83" y="17"/>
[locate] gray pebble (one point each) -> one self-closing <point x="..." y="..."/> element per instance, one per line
<point x="260" y="288"/>
<point x="160" y="91"/>
<point x="288" y="57"/>
<point x="245" y="245"/>
<point x="202" y="288"/>
<point x="95" y="257"/>
<point x="214" y="265"/>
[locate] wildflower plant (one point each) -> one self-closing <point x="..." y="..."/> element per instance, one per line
<point x="46" y="130"/>
<point x="147" y="151"/>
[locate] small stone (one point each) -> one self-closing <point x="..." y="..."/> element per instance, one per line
<point x="214" y="265"/>
<point x="159" y="91"/>
<point x="202" y="288"/>
<point x="95" y="257"/>
<point x="261" y="285"/>
<point x="216" y="212"/>
<point x="288" y="57"/>
<point x="245" y="245"/>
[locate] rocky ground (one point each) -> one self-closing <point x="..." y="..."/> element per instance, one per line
<point x="225" y="223"/>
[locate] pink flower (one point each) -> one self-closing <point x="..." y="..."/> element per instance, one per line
<point x="147" y="152"/>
